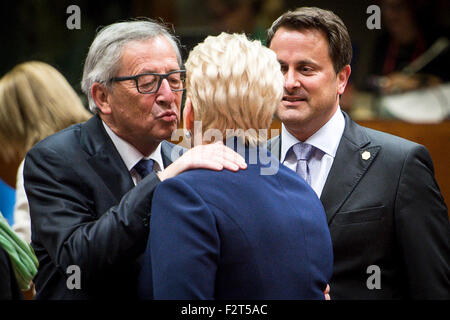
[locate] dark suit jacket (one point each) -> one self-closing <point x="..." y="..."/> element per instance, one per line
<point x="86" y="211"/>
<point x="385" y="211"/>
<point x="9" y="289"/>
<point x="243" y="235"/>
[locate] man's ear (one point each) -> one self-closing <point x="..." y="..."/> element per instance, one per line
<point x="342" y="78"/>
<point x="100" y="94"/>
<point x="188" y="115"/>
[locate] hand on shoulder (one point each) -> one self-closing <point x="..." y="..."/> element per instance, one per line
<point x="214" y="156"/>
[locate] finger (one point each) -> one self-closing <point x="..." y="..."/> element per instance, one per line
<point x="201" y="156"/>
<point x="230" y="159"/>
<point x="233" y="156"/>
<point x="229" y="165"/>
<point x="208" y="164"/>
<point x="327" y="293"/>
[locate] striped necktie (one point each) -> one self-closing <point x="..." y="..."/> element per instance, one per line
<point x="303" y="152"/>
<point x="144" y="167"/>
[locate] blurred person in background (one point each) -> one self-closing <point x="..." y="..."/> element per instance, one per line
<point x="18" y="264"/>
<point x="35" y="101"/>
<point x="243" y="16"/>
<point x="9" y="289"/>
<point x="408" y="31"/>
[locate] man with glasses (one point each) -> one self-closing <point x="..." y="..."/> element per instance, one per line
<point x="90" y="186"/>
<point x="150" y="82"/>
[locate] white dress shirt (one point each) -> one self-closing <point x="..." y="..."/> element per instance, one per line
<point x="22" y="221"/>
<point x="326" y="140"/>
<point x="130" y="155"/>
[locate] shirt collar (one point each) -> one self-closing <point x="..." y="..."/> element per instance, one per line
<point x="327" y="138"/>
<point x="129" y="154"/>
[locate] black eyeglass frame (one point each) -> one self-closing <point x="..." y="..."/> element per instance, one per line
<point x="162" y="76"/>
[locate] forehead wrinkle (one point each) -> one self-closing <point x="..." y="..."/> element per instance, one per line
<point x="146" y="56"/>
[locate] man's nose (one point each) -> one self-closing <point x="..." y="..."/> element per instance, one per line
<point x="164" y="93"/>
<point x="291" y="80"/>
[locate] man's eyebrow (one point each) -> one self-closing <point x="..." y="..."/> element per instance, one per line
<point x="301" y="62"/>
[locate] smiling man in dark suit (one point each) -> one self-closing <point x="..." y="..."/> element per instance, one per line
<point x="387" y="218"/>
<point x="90" y="186"/>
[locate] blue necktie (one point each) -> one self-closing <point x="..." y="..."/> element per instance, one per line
<point x="144" y="167"/>
<point x="303" y="152"/>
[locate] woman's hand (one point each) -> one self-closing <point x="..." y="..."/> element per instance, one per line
<point x="214" y="156"/>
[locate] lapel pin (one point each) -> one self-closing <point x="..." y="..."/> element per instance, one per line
<point x="365" y="155"/>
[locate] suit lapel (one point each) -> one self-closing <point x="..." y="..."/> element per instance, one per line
<point x="274" y="146"/>
<point x="170" y="152"/>
<point x="353" y="157"/>
<point x="105" y="159"/>
<point x="348" y="166"/>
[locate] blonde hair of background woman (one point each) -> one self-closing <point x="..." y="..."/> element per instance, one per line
<point x="35" y="102"/>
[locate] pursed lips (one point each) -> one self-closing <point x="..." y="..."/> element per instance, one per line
<point x="168" y="115"/>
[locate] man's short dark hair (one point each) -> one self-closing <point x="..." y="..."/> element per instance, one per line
<point x="339" y="44"/>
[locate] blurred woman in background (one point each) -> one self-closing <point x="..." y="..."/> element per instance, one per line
<point x="35" y="102"/>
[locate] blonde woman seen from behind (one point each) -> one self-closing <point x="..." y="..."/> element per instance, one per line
<point x="235" y="235"/>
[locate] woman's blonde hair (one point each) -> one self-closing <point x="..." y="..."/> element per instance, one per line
<point x="35" y="102"/>
<point x="234" y="83"/>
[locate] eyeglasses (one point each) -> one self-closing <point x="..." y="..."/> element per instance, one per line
<point x="147" y="83"/>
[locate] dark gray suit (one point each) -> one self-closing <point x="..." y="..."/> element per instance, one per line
<point x="86" y="211"/>
<point x="385" y="211"/>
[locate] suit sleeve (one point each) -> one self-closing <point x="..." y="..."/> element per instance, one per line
<point x="66" y="224"/>
<point x="423" y="229"/>
<point x="183" y="243"/>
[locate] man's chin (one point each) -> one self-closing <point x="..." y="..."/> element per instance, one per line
<point x="288" y="115"/>
<point x="166" y="132"/>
